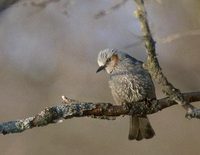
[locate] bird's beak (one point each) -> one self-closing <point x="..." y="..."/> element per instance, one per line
<point x="100" y="68"/>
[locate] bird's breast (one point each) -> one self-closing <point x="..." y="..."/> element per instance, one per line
<point x="124" y="89"/>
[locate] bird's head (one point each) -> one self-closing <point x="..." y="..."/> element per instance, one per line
<point x="108" y="60"/>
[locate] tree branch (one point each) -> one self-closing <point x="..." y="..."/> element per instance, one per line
<point x="44" y="3"/>
<point x="108" y="11"/>
<point x="72" y="108"/>
<point x="152" y="63"/>
<point x="180" y="35"/>
<point x="4" y="4"/>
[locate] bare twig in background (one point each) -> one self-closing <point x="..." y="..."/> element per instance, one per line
<point x="66" y="6"/>
<point x="167" y="39"/>
<point x="73" y="108"/>
<point x="159" y="1"/>
<point x="152" y="63"/>
<point x="43" y="4"/>
<point x="108" y="11"/>
<point x="4" y="4"/>
<point x="176" y="36"/>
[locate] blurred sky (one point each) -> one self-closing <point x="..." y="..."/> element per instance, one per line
<point x="49" y="49"/>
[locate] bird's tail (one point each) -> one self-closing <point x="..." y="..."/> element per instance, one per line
<point x="140" y="128"/>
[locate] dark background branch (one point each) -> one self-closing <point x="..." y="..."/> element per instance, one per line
<point x="4" y="4"/>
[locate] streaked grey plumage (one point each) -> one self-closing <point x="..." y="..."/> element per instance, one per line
<point x="129" y="83"/>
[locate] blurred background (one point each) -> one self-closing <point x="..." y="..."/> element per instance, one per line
<point x="48" y="48"/>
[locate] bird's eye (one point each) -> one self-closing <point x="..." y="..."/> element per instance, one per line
<point x="108" y="60"/>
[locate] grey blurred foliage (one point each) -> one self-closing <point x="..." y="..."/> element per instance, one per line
<point x="49" y="51"/>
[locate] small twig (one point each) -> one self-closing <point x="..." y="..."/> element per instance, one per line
<point x="180" y="35"/>
<point x="108" y="11"/>
<point x="67" y="100"/>
<point x="43" y="4"/>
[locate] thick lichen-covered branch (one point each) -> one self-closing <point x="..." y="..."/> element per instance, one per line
<point x="152" y="63"/>
<point x="71" y="108"/>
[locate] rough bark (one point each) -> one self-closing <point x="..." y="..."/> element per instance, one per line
<point x="72" y="108"/>
<point x="152" y="63"/>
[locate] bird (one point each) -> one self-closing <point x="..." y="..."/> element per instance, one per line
<point x="130" y="82"/>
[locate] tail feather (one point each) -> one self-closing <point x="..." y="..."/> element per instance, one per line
<point x="134" y="132"/>
<point x="140" y="128"/>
